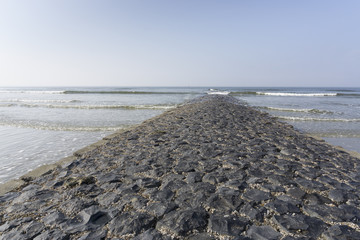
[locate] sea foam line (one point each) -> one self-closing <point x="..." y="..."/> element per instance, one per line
<point x="40" y="126"/>
<point x="284" y="94"/>
<point x="32" y="92"/>
<point x="127" y="107"/>
<point x="310" y="110"/>
<point x="318" y="119"/>
<point x="39" y="100"/>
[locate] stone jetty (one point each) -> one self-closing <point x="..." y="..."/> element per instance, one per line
<point x="210" y="169"/>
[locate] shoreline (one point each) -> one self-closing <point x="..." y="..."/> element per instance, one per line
<point x="227" y="169"/>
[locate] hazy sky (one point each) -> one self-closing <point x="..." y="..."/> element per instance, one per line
<point x="179" y="43"/>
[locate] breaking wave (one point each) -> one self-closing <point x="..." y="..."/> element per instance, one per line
<point x="306" y="110"/>
<point x="53" y="127"/>
<point x="318" y="119"/>
<point x="285" y="94"/>
<point x="126" y="107"/>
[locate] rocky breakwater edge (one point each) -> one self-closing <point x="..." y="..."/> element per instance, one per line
<point x="211" y="169"/>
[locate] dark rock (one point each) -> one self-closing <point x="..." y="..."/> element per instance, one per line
<point x="252" y="213"/>
<point x="214" y="178"/>
<point x="89" y="219"/>
<point x="296" y="193"/>
<point x="130" y="223"/>
<point x="351" y="213"/>
<point x="94" y="235"/>
<point x="263" y="233"/>
<point x="194" y="177"/>
<point x="148" y="183"/>
<point x="256" y="195"/>
<point x="337" y="196"/>
<point x="291" y="223"/>
<point x="52" y="234"/>
<point x="151" y="234"/>
<point x="227" y="225"/>
<point x="108" y="198"/>
<point x="200" y="236"/>
<point x="158" y="209"/>
<point x="183" y="222"/>
<point x="340" y="232"/>
<point x="9" y="196"/>
<point x="283" y="207"/>
<point x="54" y="218"/>
<point x="324" y="212"/>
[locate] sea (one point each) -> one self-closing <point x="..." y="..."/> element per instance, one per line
<point x="43" y="125"/>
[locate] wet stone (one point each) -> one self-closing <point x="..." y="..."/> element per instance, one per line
<point x="151" y="234"/>
<point x="183" y="222"/>
<point x="130" y="223"/>
<point x="256" y="195"/>
<point x="263" y="233"/>
<point x="89" y="219"/>
<point x="340" y="232"/>
<point x="283" y="207"/>
<point x="193" y="177"/>
<point x="337" y="195"/>
<point x="291" y="223"/>
<point x="54" y="218"/>
<point x="227" y="225"/>
<point x="252" y="213"/>
<point x="52" y="234"/>
<point x="296" y="193"/>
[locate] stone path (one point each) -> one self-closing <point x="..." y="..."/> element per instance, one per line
<point x="211" y="169"/>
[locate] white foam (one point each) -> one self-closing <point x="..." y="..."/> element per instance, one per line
<point x="128" y="107"/>
<point x="307" y="110"/>
<point x="218" y="92"/>
<point x="284" y="94"/>
<point x="318" y="119"/>
<point x="38" y="101"/>
<point x="32" y="92"/>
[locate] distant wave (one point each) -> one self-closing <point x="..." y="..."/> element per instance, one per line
<point x="39" y="100"/>
<point x="285" y="94"/>
<point x="122" y="92"/>
<point x="217" y="92"/>
<point x="312" y="110"/>
<point x="31" y="92"/>
<point x="126" y="107"/>
<point x="318" y="119"/>
<point x="49" y="127"/>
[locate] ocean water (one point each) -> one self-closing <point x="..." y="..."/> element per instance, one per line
<point x="42" y="125"/>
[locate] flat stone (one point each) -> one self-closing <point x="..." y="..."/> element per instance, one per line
<point x="296" y="193"/>
<point x="291" y="223"/>
<point x="337" y="196"/>
<point x="54" y="218"/>
<point x="340" y="232"/>
<point x="183" y="222"/>
<point x="151" y="234"/>
<point x="94" y="235"/>
<point x="256" y="195"/>
<point x="91" y="218"/>
<point x="252" y="213"/>
<point x="227" y="225"/>
<point x="130" y="223"/>
<point x="52" y="234"/>
<point x="263" y="233"/>
<point x="283" y="207"/>
<point x="194" y="177"/>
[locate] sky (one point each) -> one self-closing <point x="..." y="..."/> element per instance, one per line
<point x="303" y="43"/>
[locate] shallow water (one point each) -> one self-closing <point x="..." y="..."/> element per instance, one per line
<point x="43" y="125"/>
